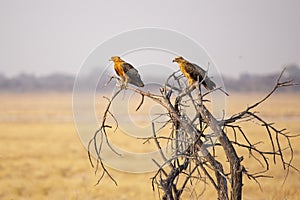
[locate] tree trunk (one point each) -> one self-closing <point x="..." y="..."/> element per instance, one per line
<point x="235" y="166"/>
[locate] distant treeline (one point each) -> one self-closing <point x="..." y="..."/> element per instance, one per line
<point x="31" y="83"/>
<point x="64" y="83"/>
<point x="263" y="82"/>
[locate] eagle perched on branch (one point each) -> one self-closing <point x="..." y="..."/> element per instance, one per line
<point x="194" y="73"/>
<point x="126" y="72"/>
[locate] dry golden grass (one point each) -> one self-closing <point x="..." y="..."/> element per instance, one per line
<point x="41" y="155"/>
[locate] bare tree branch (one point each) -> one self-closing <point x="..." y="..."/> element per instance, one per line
<point x="195" y="154"/>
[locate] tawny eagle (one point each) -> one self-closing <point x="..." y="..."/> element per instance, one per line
<point x="194" y="73"/>
<point x="126" y="72"/>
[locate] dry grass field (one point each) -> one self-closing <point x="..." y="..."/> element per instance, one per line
<point x="41" y="155"/>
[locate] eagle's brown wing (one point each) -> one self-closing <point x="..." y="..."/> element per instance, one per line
<point x="132" y="74"/>
<point x="197" y="73"/>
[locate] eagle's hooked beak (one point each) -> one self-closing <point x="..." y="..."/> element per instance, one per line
<point x="174" y="60"/>
<point x="110" y="59"/>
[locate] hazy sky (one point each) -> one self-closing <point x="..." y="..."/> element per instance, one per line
<point x="56" y="36"/>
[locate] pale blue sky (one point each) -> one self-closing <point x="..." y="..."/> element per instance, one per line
<point x="56" y="36"/>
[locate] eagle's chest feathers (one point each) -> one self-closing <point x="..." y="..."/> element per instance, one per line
<point x="186" y="74"/>
<point x="119" y="69"/>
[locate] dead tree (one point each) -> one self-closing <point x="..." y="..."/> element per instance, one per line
<point x="198" y="140"/>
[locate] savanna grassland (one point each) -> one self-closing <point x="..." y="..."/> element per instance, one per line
<point x="42" y="157"/>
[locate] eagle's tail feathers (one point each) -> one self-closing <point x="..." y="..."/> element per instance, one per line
<point x="209" y="84"/>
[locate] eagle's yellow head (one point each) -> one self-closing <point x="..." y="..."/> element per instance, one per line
<point x="115" y="59"/>
<point x="178" y="59"/>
